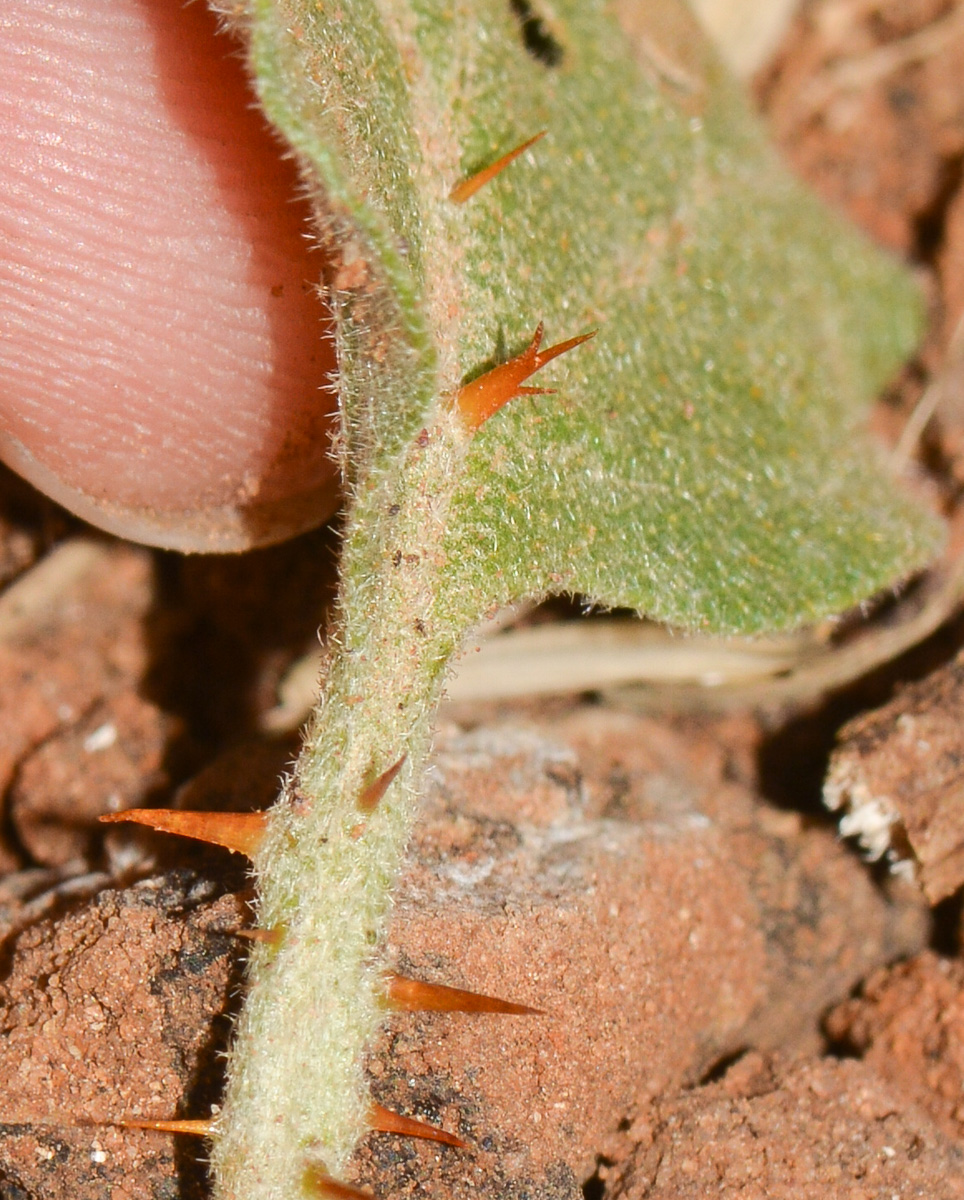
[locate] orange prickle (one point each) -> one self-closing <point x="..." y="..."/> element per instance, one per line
<point x="383" y="1120"/>
<point x="268" y="937"/>
<point x="369" y="800"/>
<point x="412" y="995"/>
<point x="468" y="187"/>
<point x="205" y="1128"/>
<point x="323" y="1185"/>
<point x="483" y="397"/>
<point x="241" y="833"/>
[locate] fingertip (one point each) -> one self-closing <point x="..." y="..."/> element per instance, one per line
<point x="167" y="362"/>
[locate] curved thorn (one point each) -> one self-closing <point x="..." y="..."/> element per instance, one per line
<point x="369" y="800"/>
<point x="546" y="356"/>
<point x="468" y="187"/>
<point x="413" y="995"/>
<point x="480" y="399"/>
<point x="324" y="1185"/>
<point x="241" y="833"/>
<point x="383" y="1120"/>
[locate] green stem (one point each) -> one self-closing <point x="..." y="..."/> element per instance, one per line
<point x="297" y="1099"/>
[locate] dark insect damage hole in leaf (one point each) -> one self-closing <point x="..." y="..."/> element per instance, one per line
<point x="536" y="37"/>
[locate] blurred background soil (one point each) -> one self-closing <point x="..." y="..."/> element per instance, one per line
<point x="736" y="1004"/>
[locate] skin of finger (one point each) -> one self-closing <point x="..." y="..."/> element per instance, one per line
<point x="166" y="360"/>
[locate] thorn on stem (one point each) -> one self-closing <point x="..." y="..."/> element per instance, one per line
<point x="483" y="397"/>
<point x="323" y="1185"/>
<point x="371" y="796"/>
<point x="412" y="995"/>
<point x="468" y="187"/>
<point x="241" y="833"/>
<point x="268" y="937"/>
<point x="383" y="1120"/>
<point x="205" y="1128"/>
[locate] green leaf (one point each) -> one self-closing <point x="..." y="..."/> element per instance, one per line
<point x="700" y="462"/>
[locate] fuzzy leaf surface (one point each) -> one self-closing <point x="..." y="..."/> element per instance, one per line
<point x="702" y="461"/>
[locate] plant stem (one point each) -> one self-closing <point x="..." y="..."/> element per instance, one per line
<point x="296" y="1096"/>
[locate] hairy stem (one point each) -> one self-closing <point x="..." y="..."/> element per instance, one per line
<point x="297" y="1099"/>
